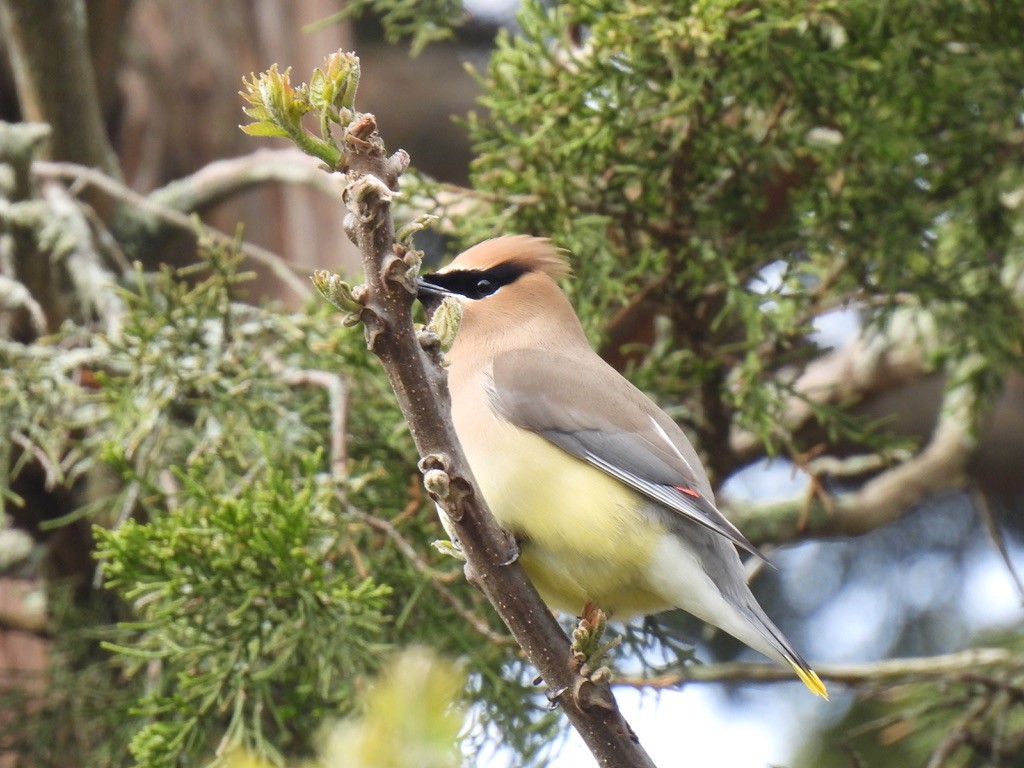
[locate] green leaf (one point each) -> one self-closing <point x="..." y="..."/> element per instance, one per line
<point x="263" y="129"/>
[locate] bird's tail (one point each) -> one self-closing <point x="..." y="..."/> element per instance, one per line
<point x="703" y="575"/>
<point x="783" y="651"/>
<point x="809" y="678"/>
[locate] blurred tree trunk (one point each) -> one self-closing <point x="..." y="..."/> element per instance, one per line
<point x="59" y="90"/>
<point x="164" y="90"/>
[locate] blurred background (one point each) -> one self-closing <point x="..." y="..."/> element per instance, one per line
<point x="936" y="581"/>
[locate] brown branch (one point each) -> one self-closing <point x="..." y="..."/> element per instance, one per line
<point x="632" y="324"/>
<point x="419" y="384"/>
<point x="854" y="675"/>
<point x="29" y="623"/>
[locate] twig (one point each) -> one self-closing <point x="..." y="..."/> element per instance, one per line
<point x="853" y="466"/>
<point x="940" y="466"/>
<point x="337" y="401"/>
<point x="14" y="294"/>
<point x="94" y="283"/>
<point x="222" y="179"/>
<point x="927" y="667"/>
<point x="412" y="506"/>
<point x="451" y="202"/>
<point x="874" y="362"/>
<point x="51" y="472"/>
<point x="390" y="530"/>
<point x="420" y="386"/>
<point x="436" y="578"/>
<point x="995" y="535"/>
<point x="287" y="273"/>
<point x="855" y="759"/>
<point x="169" y="485"/>
<point x="957" y="736"/>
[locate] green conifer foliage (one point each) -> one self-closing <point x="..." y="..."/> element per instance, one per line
<point x="723" y="173"/>
<point x="261" y="578"/>
<point x="862" y="152"/>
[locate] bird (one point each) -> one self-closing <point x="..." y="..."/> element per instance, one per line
<point x="606" y="496"/>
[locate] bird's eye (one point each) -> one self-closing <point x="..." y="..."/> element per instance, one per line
<point x="485" y="287"/>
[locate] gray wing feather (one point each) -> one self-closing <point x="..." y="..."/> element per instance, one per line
<point x="588" y="410"/>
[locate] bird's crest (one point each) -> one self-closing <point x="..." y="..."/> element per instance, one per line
<point x="531" y="254"/>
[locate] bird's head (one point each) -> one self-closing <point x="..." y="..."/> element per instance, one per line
<point x="504" y="285"/>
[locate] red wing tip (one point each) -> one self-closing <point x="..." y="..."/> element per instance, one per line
<point x="687" y="491"/>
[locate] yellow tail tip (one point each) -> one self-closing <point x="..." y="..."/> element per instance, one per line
<point x="811" y="680"/>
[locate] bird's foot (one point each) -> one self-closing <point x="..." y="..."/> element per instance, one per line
<point x="511" y="550"/>
<point x="553" y="696"/>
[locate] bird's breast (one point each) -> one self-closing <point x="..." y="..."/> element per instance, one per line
<point x="585" y="535"/>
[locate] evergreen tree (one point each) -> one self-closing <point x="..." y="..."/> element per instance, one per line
<point x="723" y="174"/>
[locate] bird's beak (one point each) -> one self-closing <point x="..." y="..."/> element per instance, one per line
<point x="425" y="289"/>
<point x="430" y="295"/>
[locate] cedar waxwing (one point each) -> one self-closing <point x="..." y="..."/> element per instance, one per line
<point x="603" y="491"/>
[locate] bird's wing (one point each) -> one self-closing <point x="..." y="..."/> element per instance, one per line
<point x="588" y="410"/>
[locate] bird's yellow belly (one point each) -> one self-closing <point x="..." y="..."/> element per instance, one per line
<point x="583" y="534"/>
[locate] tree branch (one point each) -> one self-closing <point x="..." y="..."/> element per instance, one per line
<point x="147" y="207"/>
<point x="420" y="386"/>
<point x="854" y="675"/>
<point x="940" y="466"/>
<point x="337" y="394"/>
<point x="879" y="360"/>
<point x="20" y="257"/>
<point x="873" y="363"/>
<point x="95" y="285"/>
<point x="223" y="179"/>
<point x="436" y="578"/>
<point x="14" y="295"/>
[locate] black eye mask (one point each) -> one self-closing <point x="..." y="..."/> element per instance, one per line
<point x="471" y="283"/>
